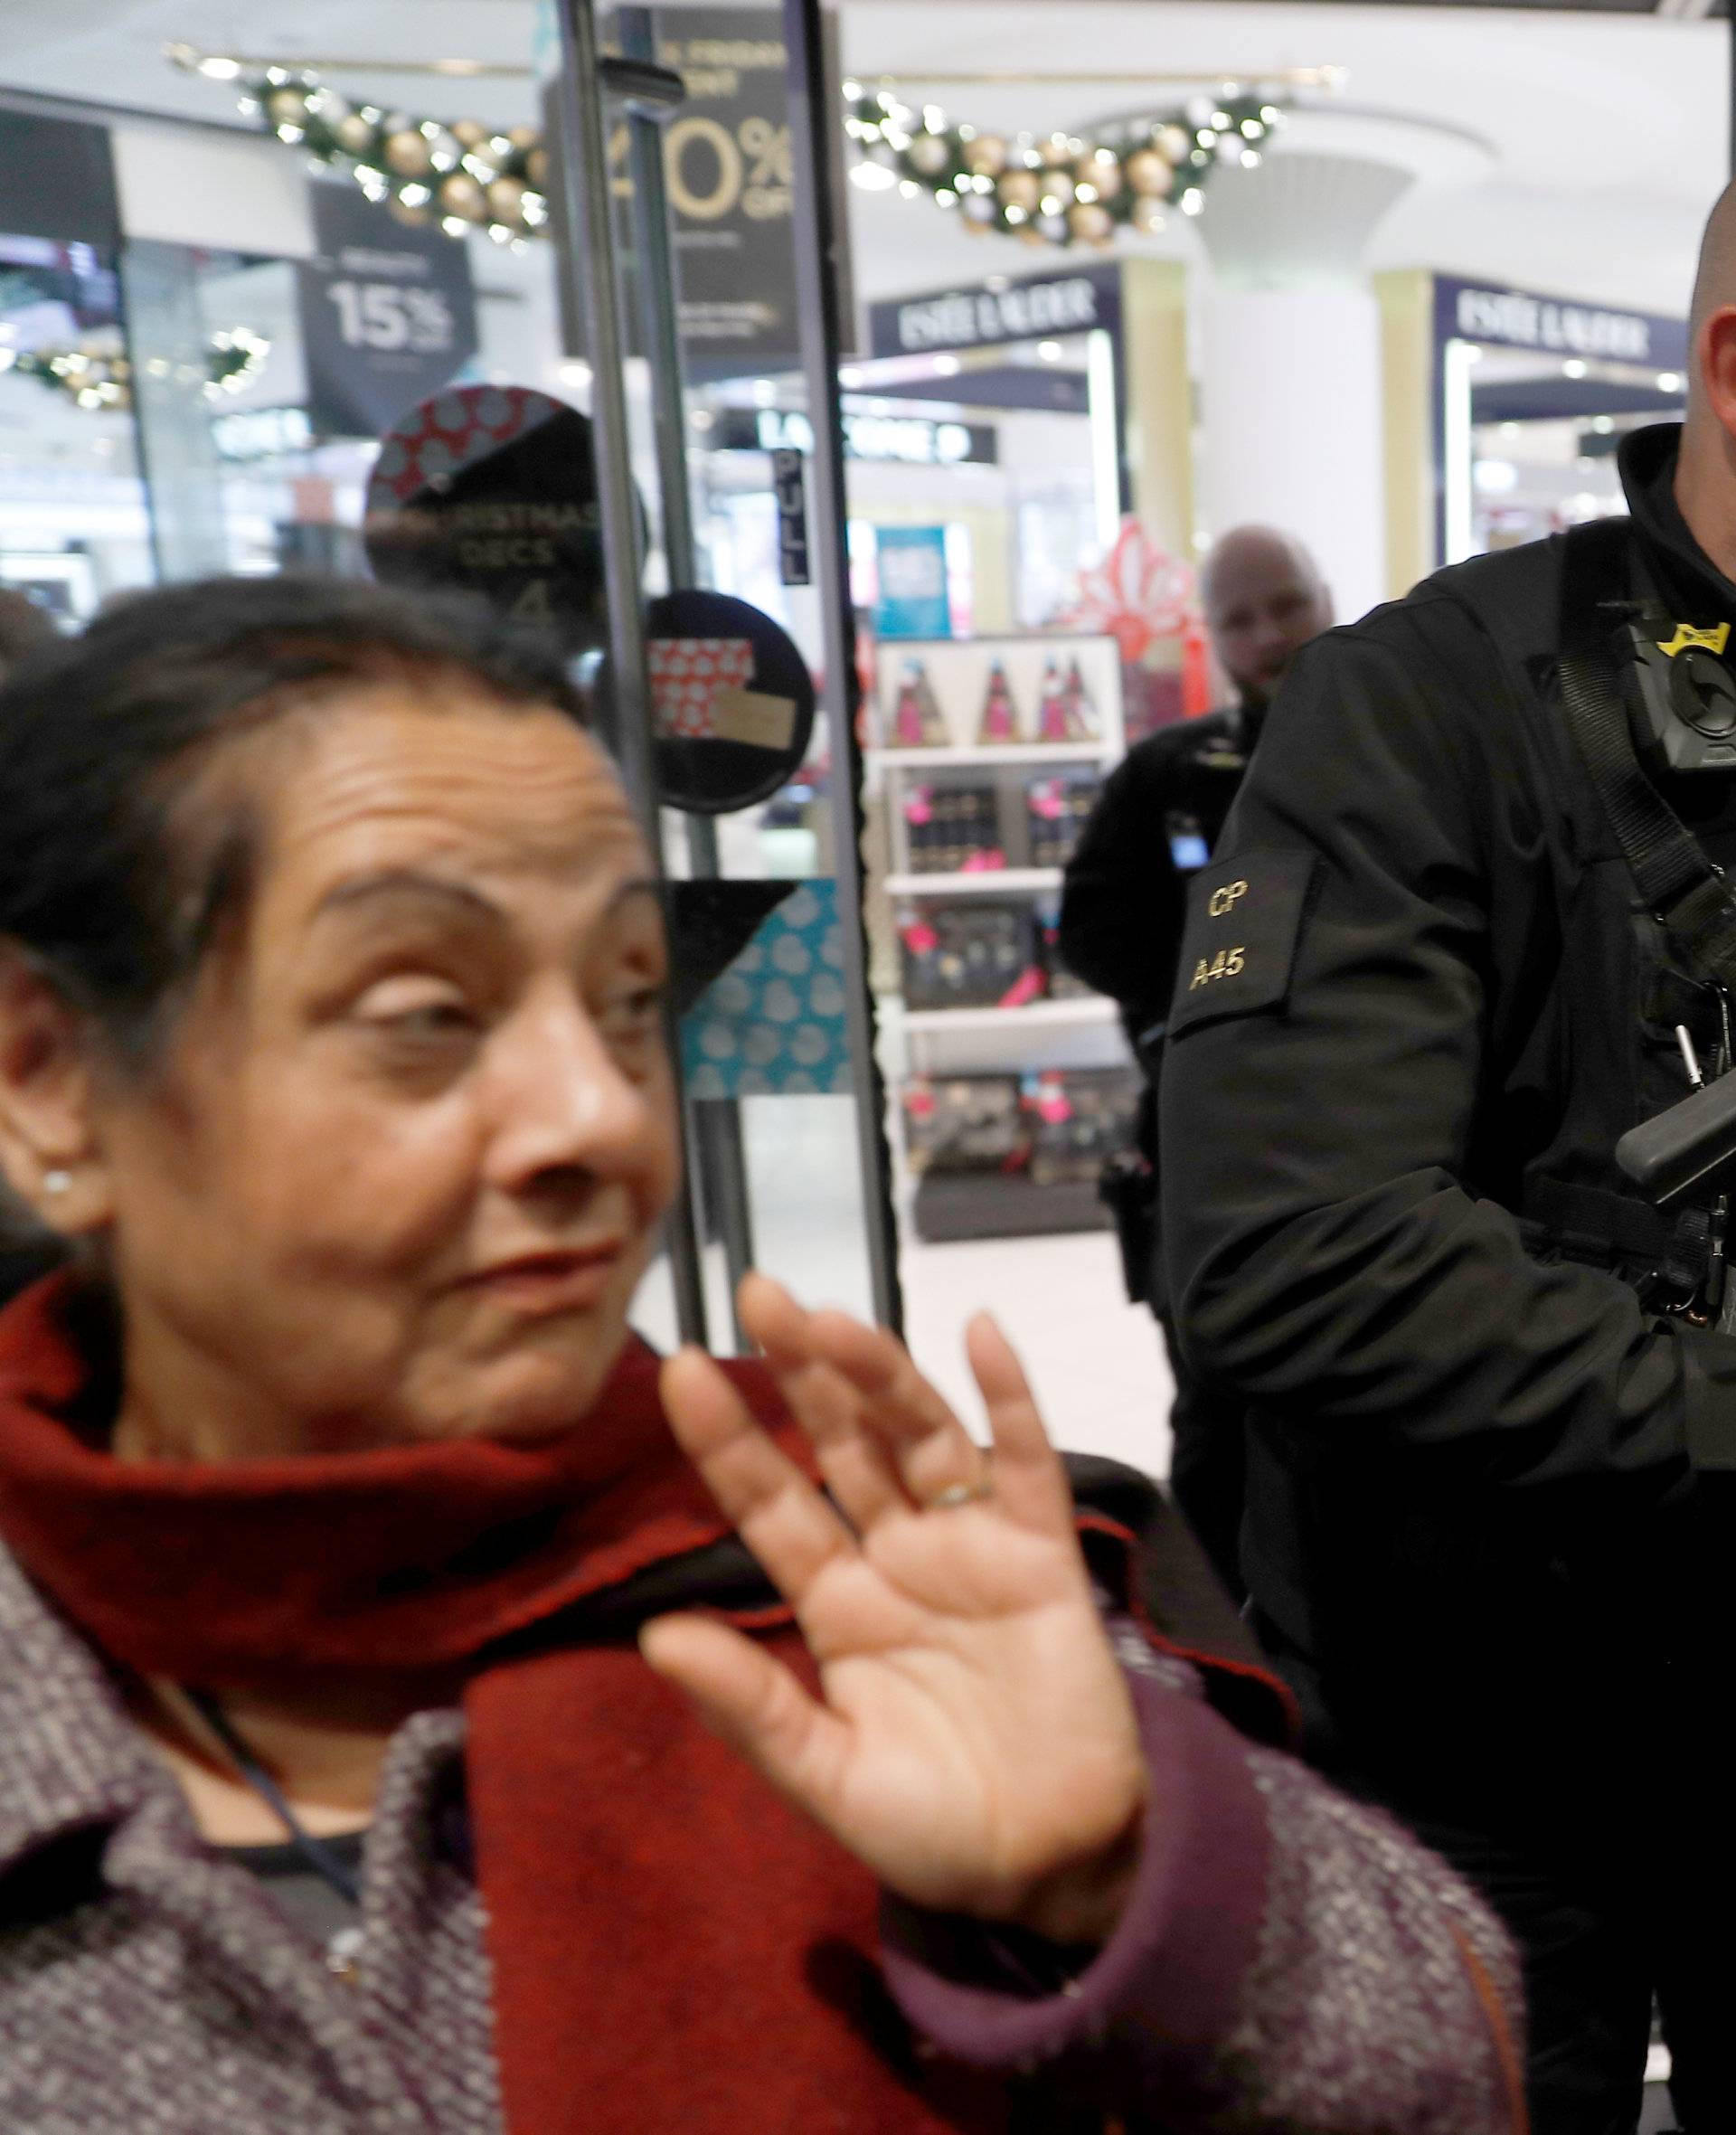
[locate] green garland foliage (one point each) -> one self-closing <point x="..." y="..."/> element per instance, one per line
<point x="1059" y="188"/>
<point x="461" y="177"/>
<point x="1055" y="189"/>
<point x="96" y="376"/>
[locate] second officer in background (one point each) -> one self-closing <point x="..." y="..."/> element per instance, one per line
<point x="1122" y="915"/>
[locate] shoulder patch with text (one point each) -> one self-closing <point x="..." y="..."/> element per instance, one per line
<point x="1244" y="917"/>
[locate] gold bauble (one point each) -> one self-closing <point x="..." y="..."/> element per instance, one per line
<point x="1032" y="235"/>
<point x="470" y="133"/>
<point x="355" y="135"/>
<point x="286" y="107"/>
<point x="406" y="155"/>
<point x="415" y="217"/>
<point x="986" y="155"/>
<point x="1173" y="142"/>
<point x="462" y="196"/>
<point x="1103" y="170"/>
<point x="1019" y="189"/>
<point x="524" y="136"/>
<point x="536" y="168"/>
<point x="1148" y="215"/>
<point x="1096" y="225"/>
<point x="930" y="154"/>
<point x="1057" y="151"/>
<point x="1149" y="173"/>
<point x="507" y="200"/>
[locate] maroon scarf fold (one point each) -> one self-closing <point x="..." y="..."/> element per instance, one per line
<point x="672" y="1946"/>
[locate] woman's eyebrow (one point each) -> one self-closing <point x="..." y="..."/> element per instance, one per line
<point x="410" y="884"/>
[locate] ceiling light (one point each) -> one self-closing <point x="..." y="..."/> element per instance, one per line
<point x="1573" y="368"/>
<point x="947" y="366"/>
<point x="1050" y="352"/>
<point x="1669" y="382"/>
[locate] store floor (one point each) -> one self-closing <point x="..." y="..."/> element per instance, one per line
<point x="1097" y="1362"/>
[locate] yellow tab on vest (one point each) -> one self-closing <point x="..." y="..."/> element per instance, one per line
<point x="1692" y="636"/>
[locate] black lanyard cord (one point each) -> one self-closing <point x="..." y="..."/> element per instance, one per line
<point x="335" y="1872"/>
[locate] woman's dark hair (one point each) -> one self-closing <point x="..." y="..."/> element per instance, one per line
<point x="24" y="626"/>
<point x="110" y="881"/>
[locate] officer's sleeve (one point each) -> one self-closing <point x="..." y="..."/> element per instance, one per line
<point x="1326" y="1034"/>
<point x="1121" y="906"/>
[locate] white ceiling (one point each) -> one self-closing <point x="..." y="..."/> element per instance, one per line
<point x="1607" y="132"/>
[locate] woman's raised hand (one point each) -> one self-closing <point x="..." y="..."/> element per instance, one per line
<point x="973" y="1744"/>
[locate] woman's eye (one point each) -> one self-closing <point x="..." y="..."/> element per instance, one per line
<point x="415" y="1009"/>
<point x="439" y="1019"/>
<point x="639" y="1009"/>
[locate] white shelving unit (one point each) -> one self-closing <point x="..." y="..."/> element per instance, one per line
<point x="976" y="881"/>
<point x="1031" y="755"/>
<point x="1074" y="1031"/>
<point x="1086" y="1008"/>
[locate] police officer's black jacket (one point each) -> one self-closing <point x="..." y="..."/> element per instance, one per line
<point x="1124" y="903"/>
<point x="1484" y="1513"/>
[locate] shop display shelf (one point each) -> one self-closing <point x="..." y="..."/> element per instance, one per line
<point x="974" y="881"/>
<point x="1086" y="1008"/>
<point x="949" y="1207"/>
<point x="992" y="752"/>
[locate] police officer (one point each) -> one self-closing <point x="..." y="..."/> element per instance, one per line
<point x="1491" y="1527"/>
<point x="1121" y="917"/>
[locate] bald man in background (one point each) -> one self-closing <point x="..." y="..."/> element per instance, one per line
<point x="1122" y="910"/>
<point x="1490" y="1384"/>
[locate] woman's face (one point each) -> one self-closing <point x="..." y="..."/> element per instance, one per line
<point x="402" y="1165"/>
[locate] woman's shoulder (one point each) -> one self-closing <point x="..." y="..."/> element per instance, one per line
<point x="69" y="1758"/>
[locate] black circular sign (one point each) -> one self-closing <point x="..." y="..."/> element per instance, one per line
<point x="494" y="488"/>
<point x="731" y="702"/>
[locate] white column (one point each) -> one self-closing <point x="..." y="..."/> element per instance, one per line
<point x="1290" y="398"/>
<point x="1290" y="351"/>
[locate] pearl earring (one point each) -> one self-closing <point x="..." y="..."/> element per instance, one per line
<point x="56" y="1182"/>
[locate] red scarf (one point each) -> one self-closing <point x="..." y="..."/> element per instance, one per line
<point x="672" y="1946"/>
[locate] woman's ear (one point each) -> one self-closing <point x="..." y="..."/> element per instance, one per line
<point x="49" y="1150"/>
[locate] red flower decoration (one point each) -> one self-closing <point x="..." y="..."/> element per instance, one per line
<point x="1137" y="594"/>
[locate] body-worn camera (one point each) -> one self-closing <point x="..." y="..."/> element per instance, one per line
<point x="1681" y="696"/>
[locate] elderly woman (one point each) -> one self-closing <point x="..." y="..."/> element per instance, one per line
<point x="393" y="1734"/>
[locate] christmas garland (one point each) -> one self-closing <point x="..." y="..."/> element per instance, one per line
<point x="463" y="176"/>
<point x="1057" y="189"/>
<point x="96" y="377"/>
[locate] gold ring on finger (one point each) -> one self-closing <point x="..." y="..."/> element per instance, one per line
<point x="957" y="1494"/>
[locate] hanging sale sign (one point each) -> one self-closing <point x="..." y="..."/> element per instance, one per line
<point x="727" y="164"/>
<point x="388" y="314"/>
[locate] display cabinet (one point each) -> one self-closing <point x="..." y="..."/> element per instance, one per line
<point x="1011" y="1079"/>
